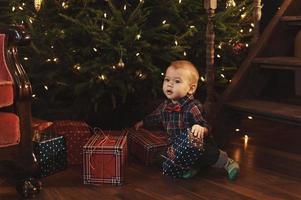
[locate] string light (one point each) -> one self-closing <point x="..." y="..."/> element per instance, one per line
<point x="48" y="60"/>
<point x="13" y="8"/>
<point x="202" y="78"/>
<point x="176" y="42"/>
<point x="94" y="49"/>
<point x="243" y="15"/>
<point x="102" y="26"/>
<point x="218" y="55"/>
<point x="33" y="95"/>
<point x="20" y="8"/>
<point x="55" y="59"/>
<point x="180" y="1"/>
<point x="124" y="7"/>
<point x="137" y="54"/>
<point x="241" y="30"/>
<point x="250" y="30"/>
<point x="25" y="58"/>
<point x="230" y="3"/>
<point x="162" y="74"/>
<point x="38" y="4"/>
<point x="46" y="87"/>
<point x="164" y="22"/>
<point x="184" y="53"/>
<point x="237" y="130"/>
<point x="77" y="66"/>
<point x="102" y="77"/>
<point x="105" y="15"/>
<point x="138" y="36"/>
<point x="222" y="75"/>
<point x="252" y="24"/>
<point x="65" y="5"/>
<point x="250" y="117"/>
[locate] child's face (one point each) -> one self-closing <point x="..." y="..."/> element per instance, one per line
<point x="177" y="83"/>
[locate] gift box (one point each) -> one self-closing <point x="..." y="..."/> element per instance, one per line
<point x="146" y="145"/>
<point x="38" y="126"/>
<point x="182" y="155"/>
<point x="105" y="157"/>
<point x="76" y="133"/>
<point x="50" y="153"/>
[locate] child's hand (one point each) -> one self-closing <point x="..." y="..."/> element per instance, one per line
<point x="138" y="125"/>
<point x="198" y="131"/>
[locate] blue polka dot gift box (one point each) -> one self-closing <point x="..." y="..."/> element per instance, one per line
<point x="147" y="145"/>
<point x="50" y="153"/>
<point x="181" y="156"/>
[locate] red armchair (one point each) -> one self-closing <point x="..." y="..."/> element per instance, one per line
<point x="15" y="104"/>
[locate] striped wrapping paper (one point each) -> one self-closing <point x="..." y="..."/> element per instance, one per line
<point x="104" y="158"/>
<point x="146" y="145"/>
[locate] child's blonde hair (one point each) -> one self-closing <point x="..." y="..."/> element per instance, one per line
<point x="187" y="65"/>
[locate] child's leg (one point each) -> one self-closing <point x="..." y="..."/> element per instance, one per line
<point x="217" y="158"/>
<point x="228" y="164"/>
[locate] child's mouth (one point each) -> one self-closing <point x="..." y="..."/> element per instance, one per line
<point x="169" y="92"/>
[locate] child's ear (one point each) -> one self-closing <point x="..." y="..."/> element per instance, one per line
<point x="192" y="89"/>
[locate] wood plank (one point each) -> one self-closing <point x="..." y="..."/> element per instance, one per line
<point x="269" y="109"/>
<point x="278" y="62"/>
<point x="292" y="20"/>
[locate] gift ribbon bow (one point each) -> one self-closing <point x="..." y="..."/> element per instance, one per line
<point x="105" y="141"/>
<point x="173" y="107"/>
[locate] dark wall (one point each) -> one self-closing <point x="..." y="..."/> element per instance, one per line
<point x="269" y="9"/>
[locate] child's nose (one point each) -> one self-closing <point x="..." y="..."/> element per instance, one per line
<point x="170" y="84"/>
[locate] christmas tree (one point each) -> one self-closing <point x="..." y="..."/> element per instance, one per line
<point x="95" y="56"/>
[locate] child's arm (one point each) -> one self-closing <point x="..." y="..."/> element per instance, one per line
<point x="152" y="120"/>
<point x="199" y="124"/>
<point x="199" y="131"/>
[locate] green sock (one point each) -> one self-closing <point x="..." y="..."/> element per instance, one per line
<point x="190" y="173"/>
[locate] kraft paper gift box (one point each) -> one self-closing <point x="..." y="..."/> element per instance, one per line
<point x="76" y="133"/>
<point x="147" y="145"/>
<point x="105" y="157"/>
<point x="50" y="153"/>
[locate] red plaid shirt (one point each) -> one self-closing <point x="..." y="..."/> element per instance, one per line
<point x="177" y="121"/>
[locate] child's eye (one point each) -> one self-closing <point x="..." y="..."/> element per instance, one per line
<point x="166" y="79"/>
<point x="177" y="81"/>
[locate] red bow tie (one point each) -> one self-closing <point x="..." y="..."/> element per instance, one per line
<point x="173" y="108"/>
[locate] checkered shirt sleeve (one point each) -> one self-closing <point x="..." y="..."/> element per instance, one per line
<point x="154" y="119"/>
<point x="197" y="113"/>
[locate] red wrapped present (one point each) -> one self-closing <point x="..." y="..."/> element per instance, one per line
<point x="39" y="126"/>
<point x="105" y="158"/>
<point x="76" y="133"/>
<point x="145" y="145"/>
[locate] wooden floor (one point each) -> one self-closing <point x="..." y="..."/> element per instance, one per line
<point x="270" y="170"/>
